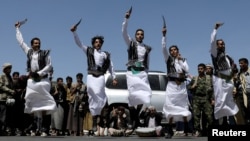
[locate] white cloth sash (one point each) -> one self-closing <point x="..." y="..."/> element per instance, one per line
<point x="38" y="97"/>
<point x="138" y="88"/>
<point x="176" y="102"/>
<point x="97" y="96"/>
<point x="223" y="94"/>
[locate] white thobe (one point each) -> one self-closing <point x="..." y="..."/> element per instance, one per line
<point x="96" y="85"/>
<point x="223" y="91"/>
<point x="138" y="84"/>
<point x="176" y="102"/>
<point x="37" y="97"/>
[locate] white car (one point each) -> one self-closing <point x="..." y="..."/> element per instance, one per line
<point x="118" y="95"/>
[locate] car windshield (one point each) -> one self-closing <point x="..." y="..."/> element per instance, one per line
<point x="157" y="82"/>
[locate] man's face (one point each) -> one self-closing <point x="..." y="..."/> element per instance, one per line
<point x="152" y="112"/>
<point x="174" y="52"/>
<point x="15" y="77"/>
<point x="209" y="70"/>
<point x="243" y="65"/>
<point x="68" y="81"/>
<point x="60" y="82"/>
<point x="201" y="70"/>
<point x="97" y="44"/>
<point x="79" y="79"/>
<point x="221" y="45"/>
<point x="139" y="36"/>
<point x="7" y="70"/>
<point x="36" y="45"/>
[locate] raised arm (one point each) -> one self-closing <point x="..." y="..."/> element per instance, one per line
<point x="77" y="40"/>
<point x="125" y="35"/>
<point x="213" y="49"/>
<point x="20" y="40"/>
<point x="164" y="49"/>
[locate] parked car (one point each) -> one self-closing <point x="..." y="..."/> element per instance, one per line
<point x="118" y="95"/>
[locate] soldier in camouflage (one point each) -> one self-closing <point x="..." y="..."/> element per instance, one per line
<point x="201" y="87"/>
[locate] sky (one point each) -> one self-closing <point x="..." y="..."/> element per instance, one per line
<point x="189" y="25"/>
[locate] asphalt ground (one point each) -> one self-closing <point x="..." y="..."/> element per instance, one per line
<point x="96" y="138"/>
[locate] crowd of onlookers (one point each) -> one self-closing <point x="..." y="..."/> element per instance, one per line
<point x="73" y="118"/>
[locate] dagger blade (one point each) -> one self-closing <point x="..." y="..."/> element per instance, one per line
<point x="23" y="21"/>
<point x="78" y="22"/>
<point x="164" y="22"/>
<point x="130" y="10"/>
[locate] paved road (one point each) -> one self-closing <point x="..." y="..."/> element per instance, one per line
<point x="87" y="138"/>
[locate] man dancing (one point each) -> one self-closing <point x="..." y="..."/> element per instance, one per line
<point x="38" y="100"/>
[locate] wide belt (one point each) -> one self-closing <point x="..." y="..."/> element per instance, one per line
<point x="95" y="73"/>
<point x="176" y="79"/>
<point x="136" y="68"/>
<point x="226" y="77"/>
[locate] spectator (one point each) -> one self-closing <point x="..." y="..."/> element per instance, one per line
<point x="152" y="120"/>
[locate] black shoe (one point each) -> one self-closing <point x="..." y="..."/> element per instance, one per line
<point x="91" y="133"/>
<point x="197" y="134"/>
<point x="18" y="132"/>
<point x="168" y="136"/>
<point x="170" y="132"/>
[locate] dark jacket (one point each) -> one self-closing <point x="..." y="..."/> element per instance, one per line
<point x="146" y="116"/>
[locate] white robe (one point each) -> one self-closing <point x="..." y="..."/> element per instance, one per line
<point x="223" y="96"/>
<point x="138" y="88"/>
<point x="223" y="91"/>
<point x="176" y="102"/>
<point x="97" y="96"/>
<point x="57" y="118"/>
<point x="38" y="98"/>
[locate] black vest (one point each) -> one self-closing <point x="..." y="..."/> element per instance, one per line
<point x="171" y="71"/>
<point x="91" y="61"/>
<point x="220" y="62"/>
<point x="42" y="54"/>
<point x="133" y="55"/>
<point x="170" y="65"/>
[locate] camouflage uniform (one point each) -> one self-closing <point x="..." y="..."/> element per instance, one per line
<point x="202" y="96"/>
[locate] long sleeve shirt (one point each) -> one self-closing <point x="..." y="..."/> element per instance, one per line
<point x="34" y="60"/>
<point x="140" y="48"/>
<point x="6" y="87"/>
<point x="99" y="55"/>
<point x="179" y="65"/>
<point x="214" y="52"/>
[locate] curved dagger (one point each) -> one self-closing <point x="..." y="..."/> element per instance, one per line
<point x="164" y="22"/>
<point x="23" y="21"/>
<point x="130" y="10"/>
<point x="78" y="23"/>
